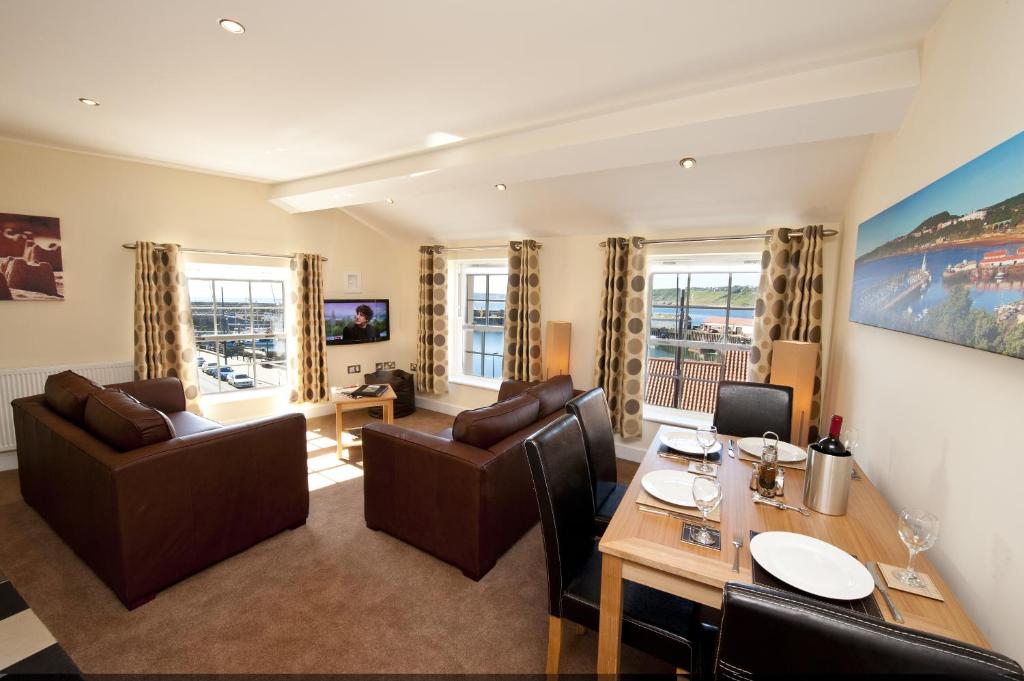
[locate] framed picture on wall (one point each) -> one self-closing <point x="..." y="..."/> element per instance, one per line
<point x="31" y="262"/>
<point x="947" y="262"/>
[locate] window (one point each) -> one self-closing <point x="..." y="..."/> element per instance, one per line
<point x="478" y="327"/>
<point x="238" y="314"/>
<point x="701" y="321"/>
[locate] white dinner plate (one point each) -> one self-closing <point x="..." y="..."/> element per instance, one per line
<point x="683" y="440"/>
<point x="788" y="453"/>
<point x="673" y="486"/>
<point x="812" y="565"/>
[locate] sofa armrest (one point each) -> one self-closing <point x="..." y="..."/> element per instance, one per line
<point x="165" y="394"/>
<point x="427" y="491"/>
<point x="192" y="501"/>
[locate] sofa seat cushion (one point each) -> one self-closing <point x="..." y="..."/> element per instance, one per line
<point x="67" y="392"/>
<point x="187" y="423"/>
<point x="487" y="425"/>
<point x="123" y="422"/>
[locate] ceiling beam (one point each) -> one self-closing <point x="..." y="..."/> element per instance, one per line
<point x="841" y="100"/>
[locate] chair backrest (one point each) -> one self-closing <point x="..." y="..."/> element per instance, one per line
<point x="561" y="479"/>
<point x="750" y="409"/>
<point x="591" y="409"/>
<point x="767" y="631"/>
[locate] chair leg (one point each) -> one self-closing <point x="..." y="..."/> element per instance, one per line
<point x="556" y="626"/>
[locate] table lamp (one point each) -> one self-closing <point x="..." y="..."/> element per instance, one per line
<point x="556" y="348"/>
<point x="794" y="364"/>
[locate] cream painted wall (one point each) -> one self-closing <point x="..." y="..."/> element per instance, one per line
<point x="939" y="422"/>
<point x="105" y="202"/>
<point x="571" y="279"/>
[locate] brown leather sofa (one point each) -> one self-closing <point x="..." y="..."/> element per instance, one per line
<point x="147" y="493"/>
<point x="464" y="495"/>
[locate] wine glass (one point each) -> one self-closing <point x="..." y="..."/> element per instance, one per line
<point x="918" y="530"/>
<point x="707" y="494"/>
<point x="850" y="439"/>
<point x="707" y="436"/>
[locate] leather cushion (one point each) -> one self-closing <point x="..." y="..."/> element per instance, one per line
<point x="487" y="425"/>
<point x="123" y="422"/>
<point x="187" y="423"/>
<point x="512" y="388"/>
<point x="67" y="392"/>
<point x="553" y="394"/>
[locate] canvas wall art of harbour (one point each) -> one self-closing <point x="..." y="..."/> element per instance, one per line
<point x="947" y="262"/>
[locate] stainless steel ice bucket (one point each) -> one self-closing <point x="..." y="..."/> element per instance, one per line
<point x="827" y="482"/>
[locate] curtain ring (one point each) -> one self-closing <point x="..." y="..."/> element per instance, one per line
<point x="638" y="242"/>
<point x="515" y="245"/>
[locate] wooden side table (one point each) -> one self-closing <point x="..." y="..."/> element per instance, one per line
<point x="343" y="403"/>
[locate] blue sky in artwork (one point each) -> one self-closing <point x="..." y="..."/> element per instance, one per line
<point x="990" y="178"/>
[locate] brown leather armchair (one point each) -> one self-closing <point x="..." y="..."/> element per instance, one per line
<point x="463" y="495"/>
<point x="148" y="517"/>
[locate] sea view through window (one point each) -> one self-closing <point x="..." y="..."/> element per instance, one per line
<point x="701" y="328"/>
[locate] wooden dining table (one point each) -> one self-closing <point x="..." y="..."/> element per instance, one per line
<point x="647" y="548"/>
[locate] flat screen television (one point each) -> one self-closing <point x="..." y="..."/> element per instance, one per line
<point x="356" y="321"/>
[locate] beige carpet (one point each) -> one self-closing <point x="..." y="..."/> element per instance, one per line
<point x="331" y="596"/>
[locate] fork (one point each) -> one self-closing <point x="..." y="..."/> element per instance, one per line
<point x="737" y="541"/>
<point x="732" y="452"/>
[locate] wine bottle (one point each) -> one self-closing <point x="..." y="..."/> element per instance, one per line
<point x="832" y="444"/>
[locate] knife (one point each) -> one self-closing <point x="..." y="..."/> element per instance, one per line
<point x="758" y="499"/>
<point x="880" y="583"/>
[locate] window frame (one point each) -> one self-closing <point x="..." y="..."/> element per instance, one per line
<point x="688" y="266"/>
<point x="217" y="337"/>
<point x="460" y="302"/>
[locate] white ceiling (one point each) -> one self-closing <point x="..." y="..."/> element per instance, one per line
<point x="799" y="184"/>
<point x="569" y="102"/>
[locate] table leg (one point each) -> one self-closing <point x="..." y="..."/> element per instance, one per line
<point x="389" y="411"/>
<point x="609" y="639"/>
<point x="338" y="429"/>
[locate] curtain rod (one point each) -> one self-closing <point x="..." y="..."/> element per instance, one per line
<point x="476" y="248"/>
<point x="705" y="239"/>
<point x="211" y="251"/>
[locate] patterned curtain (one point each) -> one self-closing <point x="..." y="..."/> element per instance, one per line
<point x="164" y="344"/>
<point x="620" y="351"/>
<point x="789" y="301"/>
<point x="432" y="329"/>
<point x="522" y="313"/>
<point x="308" y="363"/>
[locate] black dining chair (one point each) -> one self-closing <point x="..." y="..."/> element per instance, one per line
<point x="768" y="632"/>
<point x="658" y="623"/>
<point x="591" y="410"/>
<point x="749" y="409"/>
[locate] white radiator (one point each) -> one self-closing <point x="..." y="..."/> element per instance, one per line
<point x="15" y="383"/>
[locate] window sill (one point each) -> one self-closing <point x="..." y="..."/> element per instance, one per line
<point x="477" y="382"/>
<point x="676" y="417"/>
<point x="243" y="395"/>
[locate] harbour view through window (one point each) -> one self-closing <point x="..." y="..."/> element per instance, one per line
<point x="239" y="329"/>
<point x="701" y="329"/>
<point x="478" y="331"/>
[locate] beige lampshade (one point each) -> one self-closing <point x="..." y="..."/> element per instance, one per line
<point x="793" y="364"/>
<point x="556" y="348"/>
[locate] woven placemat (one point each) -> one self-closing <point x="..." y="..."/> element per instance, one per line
<point x="866" y="605"/>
